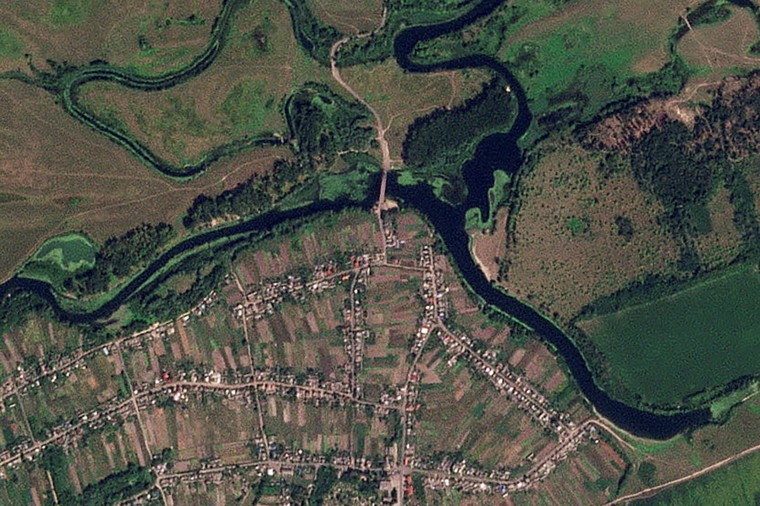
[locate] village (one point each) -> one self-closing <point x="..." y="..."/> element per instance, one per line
<point x="252" y="384"/>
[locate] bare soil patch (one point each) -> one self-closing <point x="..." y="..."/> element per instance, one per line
<point x="486" y="247"/>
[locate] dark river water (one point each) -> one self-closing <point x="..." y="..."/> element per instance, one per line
<point x="500" y="151"/>
<point x="495" y="151"/>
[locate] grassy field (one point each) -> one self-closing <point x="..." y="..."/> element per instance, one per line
<point x="350" y="17"/>
<point x="151" y="35"/>
<point x="699" y="338"/>
<point x="400" y="97"/>
<point x="240" y="95"/>
<point x="568" y="249"/>
<point x="575" y="60"/>
<point x="59" y="257"/>
<point x="463" y="413"/>
<point x="722" y="49"/>
<point x="60" y="176"/>
<point x="736" y="483"/>
<point x="590" y="476"/>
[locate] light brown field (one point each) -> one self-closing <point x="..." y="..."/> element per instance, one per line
<point x="107" y="30"/>
<point x="722" y="48"/>
<point x="47" y="158"/>
<point x="575" y="480"/>
<point x="401" y="97"/>
<point x="353" y="17"/>
<point x="465" y="414"/>
<point x="561" y="271"/>
<point x="198" y="429"/>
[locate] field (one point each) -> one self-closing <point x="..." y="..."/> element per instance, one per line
<point x="722" y="49"/>
<point x="400" y="97"/>
<point x="734" y="484"/>
<point x="590" y="476"/>
<point x="699" y="338"/>
<point x="350" y="17"/>
<point x="568" y="248"/>
<point x="304" y="337"/>
<point x="296" y="425"/>
<point x="240" y="95"/>
<point x="720" y="241"/>
<point x="61" y="176"/>
<point x="202" y="428"/>
<point x="145" y="35"/>
<point x="578" y="57"/>
<point x="462" y="413"/>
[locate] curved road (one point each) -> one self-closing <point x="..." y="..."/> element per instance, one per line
<point x="384" y="148"/>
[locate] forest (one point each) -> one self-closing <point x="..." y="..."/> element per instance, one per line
<point x="322" y="125"/>
<point x="314" y="36"/>
<point x="439" y="140"/>
<point x="120" y="256"/>
<point x="663" y="162"/>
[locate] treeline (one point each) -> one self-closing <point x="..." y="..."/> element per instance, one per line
<point x="446" y="133"/>
<point x="120" y="256"/>
<point x="159" y="307"/>
<point x="112" y="489"/>
<point x="256" y="194"/>
<point x="670" y="79"/>
<point x="314" y="36"/>
<point x="709" y="12"/>
<point x="379" y="46"/>
<point x="17" y="305"/>
<point x="322" y="124"/>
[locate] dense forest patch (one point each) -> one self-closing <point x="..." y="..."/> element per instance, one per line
<point x="324" y="125"/>
<point x="438" y="143"/>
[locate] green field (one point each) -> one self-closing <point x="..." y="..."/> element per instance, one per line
<point x="10" y="45"/>
<point x="70" y="12"/>
<point x="699" y="338"/>
<point x="59" y="257"/>
<point x="734" y="484"/>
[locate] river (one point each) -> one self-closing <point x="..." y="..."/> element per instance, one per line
<point x="449" y="223"/>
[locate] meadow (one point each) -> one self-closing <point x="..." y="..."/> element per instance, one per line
<point x="143" y="34"/>
<point x="567" y="249"/>
<point x="238" y="97"/>
<point x="695" y="340"/>
<point x="576" y="60"/>
<point x="736" y="483"/>
<point x="59" y="257"/>
<point x="58" y="175"/>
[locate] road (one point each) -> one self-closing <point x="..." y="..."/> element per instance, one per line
<point x="384" y="147"/>
<point x="696" y="474"/>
